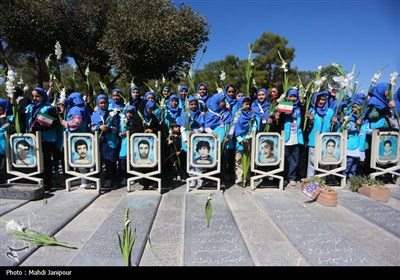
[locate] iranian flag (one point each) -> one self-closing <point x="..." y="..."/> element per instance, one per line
<point x="285" y="107"/>
<point x="45" y="119"/>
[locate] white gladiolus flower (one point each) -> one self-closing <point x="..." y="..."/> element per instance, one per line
<point x="63" y="95"/>
<point x="219" y="90"/>
<point x="13" y="225"/>
<point x="87" y="71"/>
<point x="26" y="88"/>
<point x="163" y="79"/>
<point x="190" y="71"/>
<point x="335" y="64"/>
<point x="393" y="78"/>
<point x="319" y="68"/>
<point x="58" y="51"/>
<point x="156" y="84"/>
<point x="11" y="75"/>
<point x="254" y="82"/>
<point x="222" y="76"/>
<point x="74" y="67"/>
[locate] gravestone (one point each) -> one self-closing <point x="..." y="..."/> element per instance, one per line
<point x="374" y="211"/>
<point x="48" y="219"/>
<point x="220" y="244"/>
<point x="7" y="205"/>
<point x="103" y="248"/>
<point x="21" y="191"/>
<point x="318" y="242"/>
<point x="395" y="193"/>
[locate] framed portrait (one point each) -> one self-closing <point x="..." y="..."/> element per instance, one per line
<point x="23" y="151"/>
<point x="331" y="148"/>
<point x="203" y="152"/>
<point x="81" y="150"/>
<point x="388" y="147"/>
<point x="143" y="148"/>
<point x="268" y="148"/>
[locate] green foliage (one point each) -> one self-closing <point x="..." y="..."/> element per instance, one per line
<point x="357" y="181"/>
<point x="208" y="210"/>
<point x="127" y="240"/>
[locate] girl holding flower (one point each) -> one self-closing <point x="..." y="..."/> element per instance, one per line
<point x="320" y="117"/>
<point x="261" y="109"/>
<point x="202" y="96"/>
<point x="292" y="125"/>
<point x="107" y="123"/>
<point x="134" y="96"/>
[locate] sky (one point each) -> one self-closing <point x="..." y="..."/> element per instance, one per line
<point x="361" y="33"/>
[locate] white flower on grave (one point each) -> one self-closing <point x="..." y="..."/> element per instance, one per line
<point x="254" y="82"/>
<point x="284" y="66"/>
<point x="163" y="79"/>
<point x="84" y="98"/>
<point x="190" y="71"/>
<point x="26" y="88"/>
<point x="114" y="112"/>
<point x="11" y="77"/>
<point x="319" y="67"/>
<point x="103" y="86"/>
<point x="335" y="64"/>
<point x="282" y="97"/>
<point x="222" y="76"/>
<point x="58" y="51"/>
<point x="219" y="90"/>
<point x="13" y="225"/>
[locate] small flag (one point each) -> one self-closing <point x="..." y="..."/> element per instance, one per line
<point x="45" y="119"/>
<point x="285" y="107"/>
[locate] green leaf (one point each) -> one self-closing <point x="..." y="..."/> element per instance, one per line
<point x="208" y="211"/>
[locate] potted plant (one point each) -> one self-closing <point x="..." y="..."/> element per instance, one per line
<point x="370" y="187"/>
<point x="322" y="194"/>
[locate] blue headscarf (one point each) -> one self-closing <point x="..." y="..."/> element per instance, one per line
<point x="134" y="102"/>
<point x="203" y="99"/>
<point x="245" y="116"/>
<point x="174" y="111"/>
<point x="216" y="114"/>
<point x="396" y="98"/>
<point x="232" y="101"/>
<point x="100" y="116"/>
<point x="180" y="92"/>
<point x="358" y="99"/>
<point x="321" y="111"/>
<point x="295" y="92"/>
<point x="261" y="109"/>
<point x="120" y="103"/>
<point x="149" y="104"/>
<point x="37" y="106"/>
<point x="378" y="98"/>
<point x="196" y="119"/>
<point x="3" y="103"/>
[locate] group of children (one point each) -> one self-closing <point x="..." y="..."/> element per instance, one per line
<point x="230" y="119"/>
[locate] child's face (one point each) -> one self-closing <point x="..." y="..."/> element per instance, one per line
<point x="115" y="96"/>
<point x="175" y="129"/>
<point x="261" y="96"/>
<point x="103" y="104"/>
<point x="174" y="103"/>
<point x="150" y="97"/>
<point x="292" y="98"/>
<point x="135" y="94"/>
<point x="230" y="92"/>
<point x="193" y="106"/>
<point x="129" y="115"/>
<point x="246" y="106"/>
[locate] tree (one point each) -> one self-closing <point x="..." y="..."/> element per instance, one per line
<point x="157" y="38"/>
<point x="267" y="62"/>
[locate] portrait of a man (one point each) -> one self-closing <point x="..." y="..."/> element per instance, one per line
<point x="81" y="149"/>
<point x="144" y="153"/>
<point x="203" y="154"/>
<point x="23" y="152"/>
<point x="267" y="149"/>
<point x="331" y="150"/>
<point x="387" y="148"/>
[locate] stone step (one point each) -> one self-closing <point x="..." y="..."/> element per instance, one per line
<point x="45" y="216"/>
<point x="371" y="238"/>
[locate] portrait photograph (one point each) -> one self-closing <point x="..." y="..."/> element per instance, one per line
<point x="203" y="151"/>
<point x="23" y="151"/>
<point x="268" y="149"/>
<point x="81" y="150"/>
<point x="388" y="148"/>
<point x="331" y="149"/>
<point x="143" y="150"/>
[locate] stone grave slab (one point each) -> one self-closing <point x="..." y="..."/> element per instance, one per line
<point x="376" y="212"/>
<point x="103" y="248"/>
<point x="221" y="244"/>
<point x="21" y="191"/>
<point x="49" y="218"/>
<point x="7" y="205"/>
<point x="318" y="242"/>
<point x="395" y="192"/>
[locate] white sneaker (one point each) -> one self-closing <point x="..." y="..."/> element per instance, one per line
<point x="192" y="183"/>
<point x="83" y="186"/>
<point x="293" y="183"/>
<point x="199" y="182"/>
<point x="178" y="177"/>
